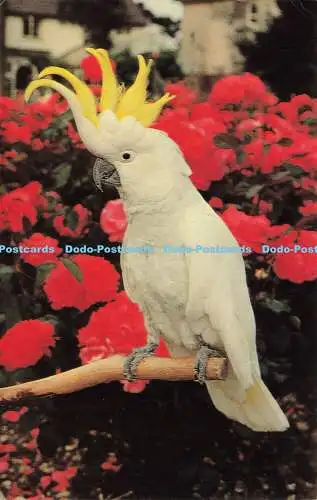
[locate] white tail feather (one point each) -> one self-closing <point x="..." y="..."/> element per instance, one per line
<point x="255" y="407"/>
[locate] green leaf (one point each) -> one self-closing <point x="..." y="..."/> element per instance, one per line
<point x="280" y="175"/>
<point x="233" y="107"/>
<point x="73" y="268"/>
<point x="276" y="306"/>
<point x="241" y="155"/>
<point x="241" y="187"/>
<point x="310" y="121"/>
<point x="10" y="303"/>
<point x="253" y="190"/>
<point x="49" y="318"/>
<point x="21" y="375"/>
<point x="226" y="141"/>
<point x="285" y="141"/>
<point x="60" y="123"/>
<point x="61" y="174"/>
<point x="42" y="273"/>
<point x="251" y="109"/>
<point x="6" y="271"/>
<point x="3" y="378"/>
<point x="27" y="226"/>
<point x="305" y="107"/>
<point x="294" y="170"/>
<point x="71" y="220"/>
<point x="49" y="133"/>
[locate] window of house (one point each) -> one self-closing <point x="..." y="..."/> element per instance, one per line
<point x="30" y="26"/>
<point x="23" y="77"/>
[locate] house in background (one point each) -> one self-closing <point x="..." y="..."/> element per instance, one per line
<point x="34" y="37"/>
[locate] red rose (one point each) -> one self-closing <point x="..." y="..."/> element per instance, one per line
<point x="7" y="448"/>
<point x="308" y="184"/>
<point x="39" y="241"/>
<point x="12" y="133"/>
<point x="116" y="328"/>
<point x="300" y="108"/>
<point x="216" y="202"/>
<point x="184" y="96"/>
<point x="254" y="154"/>
<point x="38" y="144"/>
<point x="25" y="343"/>
<point x="13" y="211"/>
<point x="82" y="215"/>
<point x="204" y="111"/>
<point x="62" y="478"/>
<point x="4" y="161"/>
<point x="273" y="158"/>
<point x="113" y="220"/>
<point x="39" y="115"/>
<point x="308" y="162"/>
<point x="309" y="208"/>
<point x="124" y="329"/>
<point x="20" y="203"/>
<point x="14" y="415"/>
<point x="245" y="89"/>
<point x="250" y="230"/>
<point x="99" y="283"/>
<point x="74" y="136"/>
<point x="91" y="69"/>
<point x="31" y="192"/>
<point x="168" y="117"/>
<point x="222" y="161"/>
<point x="4" y="465"/>
<point x="92" y="353"/>
<point x="112" y="462"/>
<point x="249" y="127"/>
<point x="297" y="266"/>
<point x="265" y="207"/>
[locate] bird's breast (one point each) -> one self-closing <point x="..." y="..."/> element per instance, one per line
<point x="156" y="274"/>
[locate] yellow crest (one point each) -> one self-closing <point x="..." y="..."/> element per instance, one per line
<point x="130" y="102"/>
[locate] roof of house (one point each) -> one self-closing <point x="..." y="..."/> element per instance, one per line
<point x="42" y="7"/>
<point x="134" y="14"/>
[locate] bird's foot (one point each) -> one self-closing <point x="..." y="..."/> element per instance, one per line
<point x="205" y="352"/>
<point x="134" y="359"/>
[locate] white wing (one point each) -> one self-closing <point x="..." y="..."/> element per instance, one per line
<point x="218" y="290"/>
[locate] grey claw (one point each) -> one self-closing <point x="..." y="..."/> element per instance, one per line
<point x="205" y="352"/>
<point x="134" y="359"/>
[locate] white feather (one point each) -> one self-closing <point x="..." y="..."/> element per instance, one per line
<point x="185" y="296"/>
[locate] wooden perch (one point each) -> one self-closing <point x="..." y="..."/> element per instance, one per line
<point x="110" y="369"/>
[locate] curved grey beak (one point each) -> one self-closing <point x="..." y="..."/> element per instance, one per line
<point x="104" y="173"/>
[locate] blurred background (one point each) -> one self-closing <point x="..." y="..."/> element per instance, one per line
<point x="245" y="116"/>
<point x="34" y="34"/>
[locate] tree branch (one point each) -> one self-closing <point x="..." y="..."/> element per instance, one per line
<point x="110" y="369"/>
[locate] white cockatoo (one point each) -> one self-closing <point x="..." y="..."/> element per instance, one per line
<point x="197" y="301"/>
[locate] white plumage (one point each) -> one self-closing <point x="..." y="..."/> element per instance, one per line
<point x="187" y="295"/>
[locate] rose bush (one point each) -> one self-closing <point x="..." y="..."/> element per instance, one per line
<point x="254" y="159"/>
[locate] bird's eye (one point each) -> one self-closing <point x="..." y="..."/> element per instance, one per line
<point x="127" y="156"/>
